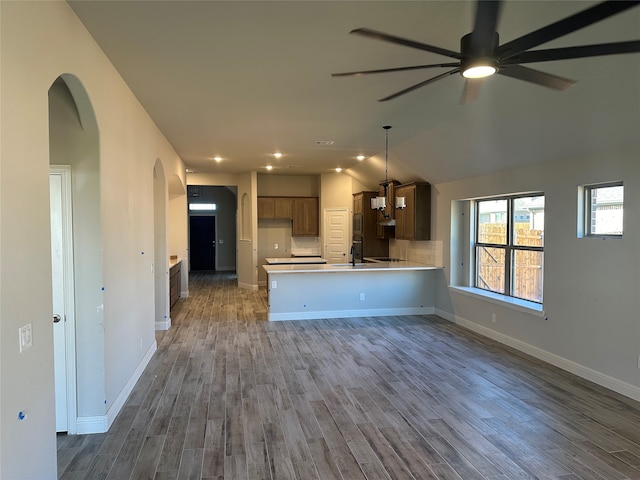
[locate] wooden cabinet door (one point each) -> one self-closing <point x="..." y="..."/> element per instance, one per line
<point x="358" y="199"/>
<point x="305" y="217"/>
<point x="266" y="207"/>
<point x="414" y="221"/>
<point x="410" y="213"/>
<point x="275" y="207"/>
<point x="403" y="219"/>
<point x="283" y="207"/>
<point x="422" y="211"/>
<point x="174" y="284"/>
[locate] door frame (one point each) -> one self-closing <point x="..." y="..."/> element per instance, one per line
<point x="64" y="171"/>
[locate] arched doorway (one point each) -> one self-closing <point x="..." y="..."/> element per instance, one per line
<point x="161" y="273"/>
<point x="74" y="145"/>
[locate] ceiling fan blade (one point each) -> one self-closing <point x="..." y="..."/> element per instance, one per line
<point x="366" y="32"/>
<point x="582" y="51"/>
<point x="563" y="27"/>
<point x="398" y="69"/>
<point x="421" y="84"/>
<point x="471" y="90"/>
<point x="536" y="76"/>
<point x="484" y="28"/>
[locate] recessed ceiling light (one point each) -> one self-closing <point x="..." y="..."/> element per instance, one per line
<point x="268" y="167"/>
<point x="338" y="169"/>
<point x="217" y="159"/>
<point x="277" y="154"/>
<point x="360" y="157"/>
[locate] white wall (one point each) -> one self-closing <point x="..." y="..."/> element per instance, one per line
<point x="40" y="42"/>
<point x="591" y="286"/>
<point x="270" y="185"/>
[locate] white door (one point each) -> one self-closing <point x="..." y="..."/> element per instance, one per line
<point x="337" y="241"/>
<point x="62" y="290"/>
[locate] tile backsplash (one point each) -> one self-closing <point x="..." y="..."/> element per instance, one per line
<point x="305" y="245"/>
<point x="428" y="252"/>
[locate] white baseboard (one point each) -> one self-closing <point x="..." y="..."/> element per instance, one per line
<point x="374" y="312"/>
<point x="184" y="294"/>
<point x="604" y="380"/>
<point x="95" y="424"/>
<point x="164" y="324"/>
<point x="101" y="423"/>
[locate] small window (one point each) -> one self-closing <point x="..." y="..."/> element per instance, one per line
<point x="604" y="208"/>
<point x="202" y="206"/>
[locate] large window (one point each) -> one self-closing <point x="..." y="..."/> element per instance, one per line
<point x="604" y="207"/>
<point x="509" y="246"/>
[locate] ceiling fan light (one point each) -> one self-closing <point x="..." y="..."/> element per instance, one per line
<point x="479" y="71"/>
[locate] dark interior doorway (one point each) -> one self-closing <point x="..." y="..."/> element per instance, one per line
<point x="202" y="242"/>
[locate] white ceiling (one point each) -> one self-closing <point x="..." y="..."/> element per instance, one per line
<point x="243" y="79"/>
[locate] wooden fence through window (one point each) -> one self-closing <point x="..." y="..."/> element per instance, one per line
<point x="526" y="265"/>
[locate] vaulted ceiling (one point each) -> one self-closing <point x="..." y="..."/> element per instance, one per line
<point x="244" y="79"/>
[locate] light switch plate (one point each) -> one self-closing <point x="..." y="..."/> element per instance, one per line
<point x="25" y="337"/>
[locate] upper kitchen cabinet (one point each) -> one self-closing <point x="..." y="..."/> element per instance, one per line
<point x="306" y="222"/>
<point x="275" y="207"/>
<point x="413" y="221"/>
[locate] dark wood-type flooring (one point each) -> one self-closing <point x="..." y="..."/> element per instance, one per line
<point x="230" y="396"/>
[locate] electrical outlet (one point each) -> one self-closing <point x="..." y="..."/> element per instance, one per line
<point x="362" y="296"/>
<point x="493" y="318"/>
<point x="275" y="246"/>
<point x="274" y="284"/>
<point x="25" y="337"/>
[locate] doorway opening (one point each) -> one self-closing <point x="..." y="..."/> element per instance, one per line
<point x="160" y="255"/>
<point x="212" y="227"/>
<point x="202" y="242"/>
<point x="74" y="157"/>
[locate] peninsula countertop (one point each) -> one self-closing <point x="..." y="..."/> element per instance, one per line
<point x="348" y="267"/>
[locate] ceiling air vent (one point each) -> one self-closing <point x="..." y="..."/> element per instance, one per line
<point x="324" y="142"/>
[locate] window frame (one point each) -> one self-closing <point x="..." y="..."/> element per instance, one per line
<point x="588" y="211"/>
<point x="509" y="246"/>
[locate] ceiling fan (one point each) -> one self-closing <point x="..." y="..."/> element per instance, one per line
<point x="481" y="55"/>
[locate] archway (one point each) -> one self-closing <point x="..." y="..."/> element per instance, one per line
<point x="161" y="273"/>
<point x="74" y="142"/>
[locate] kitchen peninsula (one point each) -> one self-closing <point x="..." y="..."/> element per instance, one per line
<point x="302" y="292"/>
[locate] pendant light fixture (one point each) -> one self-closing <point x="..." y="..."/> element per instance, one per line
<point x="380" y="203"/>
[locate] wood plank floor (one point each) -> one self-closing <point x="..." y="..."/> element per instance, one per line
<point x="229" y="396"/>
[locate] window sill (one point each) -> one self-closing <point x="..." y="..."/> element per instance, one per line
<point x="504" y="300"/>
